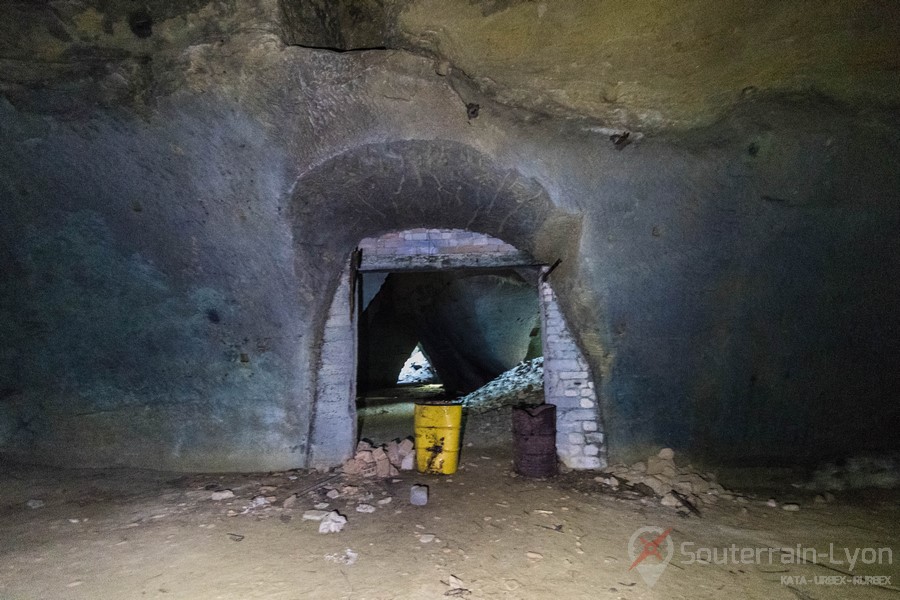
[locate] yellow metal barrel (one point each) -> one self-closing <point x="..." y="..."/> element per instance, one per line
<point x="437" y="428"/>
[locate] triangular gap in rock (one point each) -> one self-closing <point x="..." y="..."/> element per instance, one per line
<point x="417" y="369"/>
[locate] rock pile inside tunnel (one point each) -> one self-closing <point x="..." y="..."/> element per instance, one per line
<point x="523" y="384"/>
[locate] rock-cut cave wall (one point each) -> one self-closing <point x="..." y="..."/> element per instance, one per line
<point x="182" y="185"/>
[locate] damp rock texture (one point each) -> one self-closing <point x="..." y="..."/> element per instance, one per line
<point x="184" y="183"/>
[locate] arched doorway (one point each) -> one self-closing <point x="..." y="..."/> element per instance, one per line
<point x="408" y="186"/>
<point x="567" y="379"/>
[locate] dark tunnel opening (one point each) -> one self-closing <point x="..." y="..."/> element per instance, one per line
<point x="469" y="325"/>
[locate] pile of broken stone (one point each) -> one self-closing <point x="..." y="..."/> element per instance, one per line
<point x="679" y="487"/>
<point x="382" y="461"/>
<point x="523" y="384"/>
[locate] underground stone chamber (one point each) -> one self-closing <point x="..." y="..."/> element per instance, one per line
<point x="193" y="194"/>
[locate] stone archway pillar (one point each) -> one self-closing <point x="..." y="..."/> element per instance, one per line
<point x="333" y="431"/>
<point x="568" y="385"/>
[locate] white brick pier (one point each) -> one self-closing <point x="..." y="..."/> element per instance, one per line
<point x="568" y="385"/>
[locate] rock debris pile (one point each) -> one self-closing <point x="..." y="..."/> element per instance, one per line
<point x="382" y="461"/>
<point x="679" y="487"/>
<point x="524" y="383"/>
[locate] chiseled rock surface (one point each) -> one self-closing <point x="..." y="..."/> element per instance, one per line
<point x="659" y="64"/>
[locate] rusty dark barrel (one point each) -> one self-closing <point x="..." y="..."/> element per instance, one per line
<point x="534" y="440"/>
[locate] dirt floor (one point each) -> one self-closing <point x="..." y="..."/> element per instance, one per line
<point x="485" y="533"/>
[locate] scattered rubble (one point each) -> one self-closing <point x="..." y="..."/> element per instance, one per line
<point x="669" y="500"/>
<point x="608" y="481"/>
<point x="660" y="476"/>
<point x="260" y="501"/>
<point x="457" y="589"/>
<point x="264" y="502"/>
<point x="333" y="522"/>
<point x="408" y="463"/>
<point x="381" y="461"/>
<point x="347" y="558"/>
<point x="418" y="495"/>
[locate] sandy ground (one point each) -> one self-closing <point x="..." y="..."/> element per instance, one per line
<point x="121" y="534"/>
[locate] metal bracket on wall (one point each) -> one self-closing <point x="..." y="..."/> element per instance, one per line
<point x="545" y="272"/>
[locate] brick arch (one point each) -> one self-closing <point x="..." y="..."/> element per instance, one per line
<point x="406" y="186"/>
